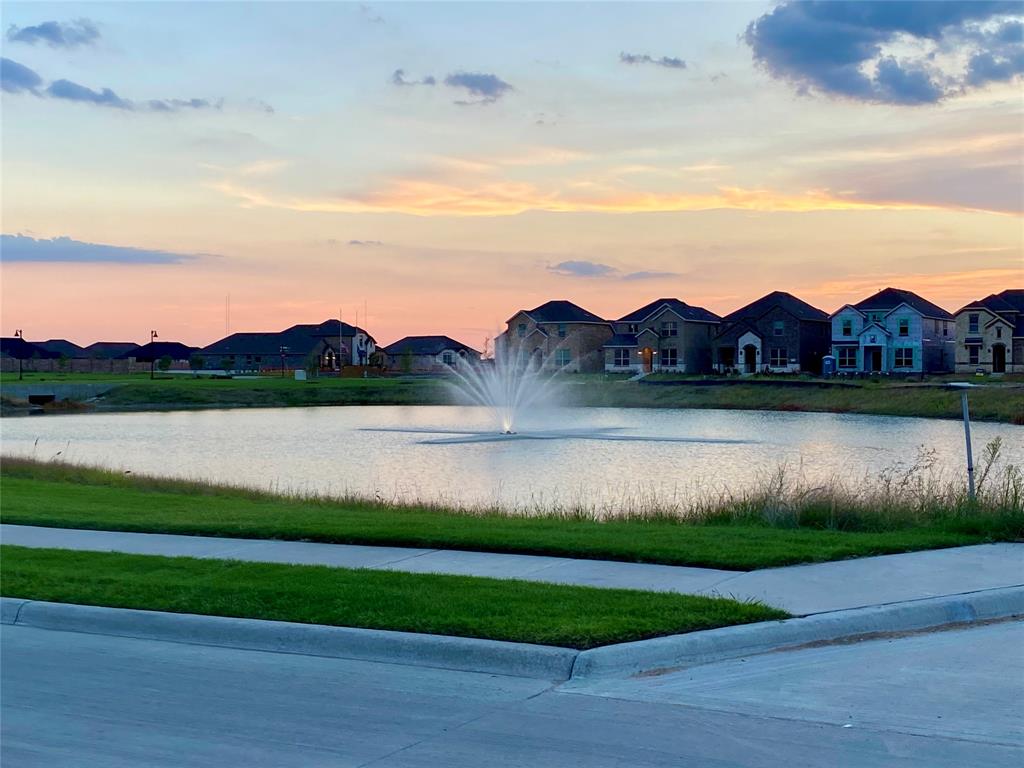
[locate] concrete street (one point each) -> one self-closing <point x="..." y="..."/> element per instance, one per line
<point x="942" y="699"/>
<point x="800" y="589"/>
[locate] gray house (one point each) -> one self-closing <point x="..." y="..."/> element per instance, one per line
<point x="665" y="335"/>
<point x="328" y="345"/>
<point x="894" y="331"/>
<point x="428" y="354"/>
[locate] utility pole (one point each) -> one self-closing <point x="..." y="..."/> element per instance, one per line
<point x="284" y="355"/>
<point x="152" y="356"/>
<point x="963" y="387"/>
<point x="19" y="335"/>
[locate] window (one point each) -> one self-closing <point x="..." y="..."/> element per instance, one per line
<point x="669" y="358"/>
<point x="779" y="357"/>
<point x="561" y="330"/>
<point x="999" y="331"/>
<point x="972" y="321"/>
<point x="847" y="357"/>
<point x="521" y="330"/>
<point x="563" y="357"/>
<point x="847" y="327"/>
<point x="945" y="328"/>
<point x="904" y="326"/>
<point x="669" y="328"/>
<point x="448" y="357"/>
<point x="974" y="353"/>
<point x="904" y="357"/>
<point x="778" y="328"/>
<point x="621" y="358"/>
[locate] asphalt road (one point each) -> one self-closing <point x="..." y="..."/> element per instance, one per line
<point x="941" y="699"/>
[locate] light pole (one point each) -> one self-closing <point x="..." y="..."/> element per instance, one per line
<point x="19" y="335"/>
<point x="284" y="354"/>
<point x="963" y="387"/>
<point x="152" y="355"/>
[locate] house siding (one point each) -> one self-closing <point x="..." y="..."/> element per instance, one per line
<point x="927" y="339"/>
<point x="805" y="342"/>
<point x="988" y="334"/>
<point x="692" y="344"/>
<point x="583" y="341"/>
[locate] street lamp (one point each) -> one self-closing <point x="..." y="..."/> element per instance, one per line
<point x="152" y="354"/>
<point x="963" y="386"/>
<point x="19" y="335"/>
<point x="284" y="354"/>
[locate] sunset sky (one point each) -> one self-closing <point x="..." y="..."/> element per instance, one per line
<point x="448" y="164"/>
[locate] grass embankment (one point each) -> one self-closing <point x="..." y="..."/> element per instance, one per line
<point x="1002" y="401"/>
<point x="547" y="614"/>
<point x="756" y="532"/>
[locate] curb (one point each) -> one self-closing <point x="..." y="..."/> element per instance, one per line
<point x="665" y="654"/>
<point x="662" y="654"/>
<point x="457" y="653"/>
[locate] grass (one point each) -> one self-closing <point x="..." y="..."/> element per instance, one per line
<point x="547" y="614"/>
<point x="773" y="527"/>
<point x="1002" y="401"/>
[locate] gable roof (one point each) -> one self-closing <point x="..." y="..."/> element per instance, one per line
<point x="301" y="339"/>
<point x="157" y="349"/>
<point x="890" y="298"/>
<point x="681" y="308"/>
<point x="109" y="350"/>
<point x="798" y="308"/>
<point x="427" y="345"/>
<point x="1008" y="304"/>
<point x="61" y="347"/>
<point x="328" y="328"/>
<point x="561" y="311"/>
<point x="19" y="349"/>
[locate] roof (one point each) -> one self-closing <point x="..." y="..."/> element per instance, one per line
<point x="19" y="349"/>
<point x="561" y="311"/>
<point x="301" y="339"/>
<point x="1008" y="304"/>
<point x="158" y="349"/>
<point x="61" y="347"/>
<point x="681" y="308"/>
<point x="622" y="340"/>
<point x="890" y="298"/>
<point x="427" y="345"/>
<point x="108" y="350"/>
<point x="800" y="309"/>
<point x="328" y="328"/>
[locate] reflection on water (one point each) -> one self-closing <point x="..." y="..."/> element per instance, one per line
<point x="422" y="452"/>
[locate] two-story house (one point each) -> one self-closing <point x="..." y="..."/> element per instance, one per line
<point x="990" y="334"/>
<point x="778" y="333"/>
<point x="557" y="335"/>
<point x="894" y="331"/>
<point x="665" y="335"/>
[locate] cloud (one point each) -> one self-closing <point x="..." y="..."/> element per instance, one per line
<point x="669" y="62"/>
<point x="56" y="34"/>
<point x="15" y="77"/>
<point x="398" y="78"/>
<point x="367" y="14"/>
<point x="483" y="87"/>
<point x="21" y="248"/>
<point x="839" y="48"/>
<point x="593" y="269"/>
<point x="365" y="243"/>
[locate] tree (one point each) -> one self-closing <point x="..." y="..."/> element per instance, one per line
<point x="62" y="362"/>
<point x="164" y="363"/>
<point x="407" y="361"/>
<point x="228" y="363"/>
<point x="196" y="363"/>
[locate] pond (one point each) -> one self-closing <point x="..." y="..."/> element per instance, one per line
<point x="408" y="453"/>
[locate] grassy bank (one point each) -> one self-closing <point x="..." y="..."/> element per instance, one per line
<point x="1003" y="401"/>
<point x="547" y="614"/>
<point x="772" y="527"/>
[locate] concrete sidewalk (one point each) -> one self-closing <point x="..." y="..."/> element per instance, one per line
<point x="801" y="590"/>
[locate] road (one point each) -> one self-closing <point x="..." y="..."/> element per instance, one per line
<point x="940" y="699"/>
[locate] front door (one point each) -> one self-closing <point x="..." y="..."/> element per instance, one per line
<point x="872" y="359"/>
<point x="726" y="357"/>
<point x="647" y="354"/>
<point x="998" y="358"/>
<point x="750" y="358"/>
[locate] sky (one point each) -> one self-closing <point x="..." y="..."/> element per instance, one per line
<point x="431" y="168"/>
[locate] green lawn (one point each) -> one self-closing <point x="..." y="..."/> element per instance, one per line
<point x="58" y="495"/>
<point x="547" y="614"/>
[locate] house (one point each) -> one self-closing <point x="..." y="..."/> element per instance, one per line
<point x="158" y="350"/>
<point x="63" y="348"/>
<point x="665" y="335"/>
<point x="894" y="331"/>
<point x="329" y="345"/>
<point x="109" y="350"/>
<point x="557" y="335"/>
<point x="17" y="348"/>
<point x="777" y="333"/>
<point x="428" y="354"/>
<point x="990" y="334"/>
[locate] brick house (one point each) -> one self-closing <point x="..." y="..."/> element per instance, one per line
<point x="428" y="354"/>
<point x="665" y="335"/>
<point x="778" y="333"/>
<point x="894" y="331"/>
<point x="329" y="345"/>
<point x="558" y="335"/>
<point x="990" y="334"/>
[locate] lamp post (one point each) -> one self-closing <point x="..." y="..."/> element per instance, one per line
<point x="963" y="387"/>
<point x="19" y="335"/>
<point x="284" y="355"/>
<point x="152" y="355"/>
